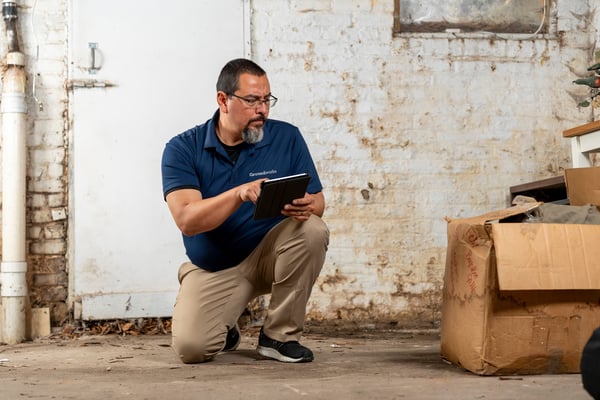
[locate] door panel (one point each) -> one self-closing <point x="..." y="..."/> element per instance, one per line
<point x="140" y="72"/>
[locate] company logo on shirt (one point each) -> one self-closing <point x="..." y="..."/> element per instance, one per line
<point x="263" y="173"/>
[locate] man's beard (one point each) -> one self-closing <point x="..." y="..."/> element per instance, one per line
<point x="252" y="135"/>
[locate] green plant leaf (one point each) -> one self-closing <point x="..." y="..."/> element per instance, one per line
<point x="584" y="104"/>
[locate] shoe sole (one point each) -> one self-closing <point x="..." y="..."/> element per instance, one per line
<point x="274" y="354"/>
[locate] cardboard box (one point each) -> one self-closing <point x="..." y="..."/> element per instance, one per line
<point x="583" y="186"/>
<point x="519" y="298"/>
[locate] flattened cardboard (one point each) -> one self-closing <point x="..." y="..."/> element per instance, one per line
<point x="583" y="185"/>
<point x="547" y="256"/>
<point x="492" y="324"/>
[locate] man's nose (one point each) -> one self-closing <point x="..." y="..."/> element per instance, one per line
<point x="262" y="106"/>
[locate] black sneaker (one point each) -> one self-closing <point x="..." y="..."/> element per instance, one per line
<point x="292" y="352"/>
<point x="233" y="339"/>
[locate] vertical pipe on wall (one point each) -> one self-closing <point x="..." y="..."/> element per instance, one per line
<point x="13" y="269"/>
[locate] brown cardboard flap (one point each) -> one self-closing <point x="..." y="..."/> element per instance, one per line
<point x="583" y="185"/>
<point x="500" y="214"/>
<point x="547" y="256"/>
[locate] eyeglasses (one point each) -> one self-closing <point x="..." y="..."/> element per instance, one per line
<point x="254" y="102"/>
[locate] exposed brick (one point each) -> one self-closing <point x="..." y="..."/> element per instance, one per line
<point x="59" y="279"/>
<point x="50" y="247"/>
<point x="59" y="313"/>
<point x="53" y="294"/>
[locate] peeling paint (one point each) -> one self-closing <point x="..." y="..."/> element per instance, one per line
<point x="436" y="126"/>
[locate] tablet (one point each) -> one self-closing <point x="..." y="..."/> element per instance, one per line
<point x="276" y="193"/>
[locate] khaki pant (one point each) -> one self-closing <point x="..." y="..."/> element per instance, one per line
<point x="286" y="264"/>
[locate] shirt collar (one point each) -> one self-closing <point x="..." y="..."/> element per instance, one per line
<point x="211" y="138"/>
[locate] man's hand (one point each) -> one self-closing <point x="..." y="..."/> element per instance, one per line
<point x="302" y="209"/>
<point x="250" y="191"/>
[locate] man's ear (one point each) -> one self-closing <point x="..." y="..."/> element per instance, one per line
<point x="222" y="99"/>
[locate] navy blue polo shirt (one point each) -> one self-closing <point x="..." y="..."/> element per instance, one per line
<point x="196" y="159"/>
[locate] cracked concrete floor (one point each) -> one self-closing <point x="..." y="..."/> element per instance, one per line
<point x="372" y="365"/>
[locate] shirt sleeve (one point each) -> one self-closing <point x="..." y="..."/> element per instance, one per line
<point x="178" y="166"/>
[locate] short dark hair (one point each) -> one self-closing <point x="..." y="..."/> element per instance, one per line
<point x="229" y="78"/>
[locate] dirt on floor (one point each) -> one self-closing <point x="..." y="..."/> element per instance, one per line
<point x="369" y="363"/>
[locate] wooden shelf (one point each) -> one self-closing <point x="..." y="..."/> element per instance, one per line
<point x="585" y="139"/>
<point x="549" y="190"/>
<point x="582" y="129"/>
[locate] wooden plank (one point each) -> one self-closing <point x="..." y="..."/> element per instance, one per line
<point x="582" y="129"/>
<point x="548" y="183"/>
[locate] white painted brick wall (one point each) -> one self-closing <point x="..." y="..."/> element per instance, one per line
<point x="411" y="129"/>
<point x="405" y="131"/>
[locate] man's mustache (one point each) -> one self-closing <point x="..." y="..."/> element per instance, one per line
<point x="261" y="119"/>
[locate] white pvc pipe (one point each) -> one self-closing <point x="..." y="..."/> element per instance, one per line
<point x="13" y="269"/>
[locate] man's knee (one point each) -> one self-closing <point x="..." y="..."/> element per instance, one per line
<point x="317" y="231"/>
<point x="192" y="352"/>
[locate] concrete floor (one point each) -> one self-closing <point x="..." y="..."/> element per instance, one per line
<point x="365" y="365"/>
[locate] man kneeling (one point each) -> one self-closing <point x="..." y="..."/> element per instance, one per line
<point x="212" y="177"/>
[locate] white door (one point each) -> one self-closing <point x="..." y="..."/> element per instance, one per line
<point x="140" y="72"/>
